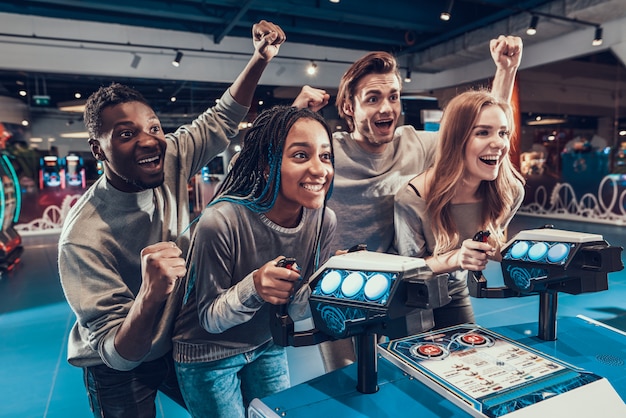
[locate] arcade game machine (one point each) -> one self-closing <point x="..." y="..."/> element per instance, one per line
<point x="51" y="173"/>
<point x="10" y="206"/>
<point x="74" y="171"/>
<point x="465" y="370"/>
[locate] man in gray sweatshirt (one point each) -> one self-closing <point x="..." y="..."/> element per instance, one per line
<point x="118" y="260"/>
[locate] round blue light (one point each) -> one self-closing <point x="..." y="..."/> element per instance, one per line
<point x="352" y="284"/>
<point x="558" y="252"/>
<point x="519" y="249"/>
<point x="376" y="287"/>
<point x="330" y="282"/>
<point x="537" y="251"/>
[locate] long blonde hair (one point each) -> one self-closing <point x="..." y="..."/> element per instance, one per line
<point x="498" y="196"/>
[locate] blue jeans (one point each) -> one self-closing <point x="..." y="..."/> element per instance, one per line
<point x="224" y="388"/>
<point x="131" y="394"/>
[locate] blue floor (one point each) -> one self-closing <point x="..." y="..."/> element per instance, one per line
<point x="35" y="321"/>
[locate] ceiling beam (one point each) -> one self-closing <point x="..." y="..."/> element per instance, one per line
<point x="234" y="21"/>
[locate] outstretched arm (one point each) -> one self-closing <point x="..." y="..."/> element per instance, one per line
<point x="506" y="52"/>
<point x="267" y="38"/>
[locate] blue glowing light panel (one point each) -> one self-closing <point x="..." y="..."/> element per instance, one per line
<point x="353" y="291"/>
<point x="547" y="246"/>
<point x="537" y="257"/>
<point x="358" y="286"/>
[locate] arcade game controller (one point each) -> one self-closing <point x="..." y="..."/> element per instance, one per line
<point x="465" y="370"/>
<point x="362" y="294"/>
<point x="547" y="261"/>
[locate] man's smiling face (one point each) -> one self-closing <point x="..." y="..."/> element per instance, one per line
<point x="375" y="109"/>
<point x="132" y="147"/>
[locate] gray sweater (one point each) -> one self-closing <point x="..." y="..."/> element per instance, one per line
<point x="105" y="231"/>
<point x="414" y="236"/>
<point x="366" y="183"/>
<point x="222" y="314"/>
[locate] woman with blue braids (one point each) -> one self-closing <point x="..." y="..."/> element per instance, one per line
<point x="271" y="204"/>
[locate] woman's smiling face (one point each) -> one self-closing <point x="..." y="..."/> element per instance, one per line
<point x="306" y="170"/>
<point x="487" y="146"/>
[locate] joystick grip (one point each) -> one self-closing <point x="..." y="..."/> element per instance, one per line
<point x="286" y="262"/>
<point x="481" y="236"/>
<point x="289" y="263"/>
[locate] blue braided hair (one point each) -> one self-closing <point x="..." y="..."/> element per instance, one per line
<point x="254" y="179"/>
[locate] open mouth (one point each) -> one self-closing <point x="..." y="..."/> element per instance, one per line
<point x="490" y="160"/>
<point x="313" y="187"/>
<point x="385" y="124"/>
<point x="150" y="162"/>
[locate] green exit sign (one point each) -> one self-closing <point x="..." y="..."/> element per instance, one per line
<point x="41" y="100"/>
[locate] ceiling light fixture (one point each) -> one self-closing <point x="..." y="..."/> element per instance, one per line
<point x="136" y="60"/>
<point x="74" y="106"/>
<point x="179" y="56"/>
<point x="597" y="40"/>
<point x="532" y="28"/>
<point x="312" y="68"/>
<point x="407" y="78"/>
<point x="447" y="12"/>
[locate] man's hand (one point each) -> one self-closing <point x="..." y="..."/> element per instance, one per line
<point x="267" y="38"/>
<point x="161" y="268"/>
<point x="311" y="98"/>
<point x="506" y="51"/>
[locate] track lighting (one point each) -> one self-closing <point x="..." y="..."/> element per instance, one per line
<point x="312" y="68"/>
<point x="532" y="28"/>
<point x="447" y="12"/>
<point x="179" y="56"/>
<point x="597" y="40"/>
<point x="407" y="78"/>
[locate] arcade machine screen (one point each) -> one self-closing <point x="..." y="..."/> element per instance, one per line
<point x="50" y="172"/>
<point x="75" y="171"/>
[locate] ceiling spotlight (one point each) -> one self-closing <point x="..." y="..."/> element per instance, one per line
<point x="136" y="60"/>
<point x="312" y="68"/>
<point x="407" y="78"/>
<point x="597" y="40"/>
<point x="446" y="14"/>
<point x="532" y="28"/>
<point x="179" y="56"/>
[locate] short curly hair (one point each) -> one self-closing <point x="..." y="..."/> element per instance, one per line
<point x="104" y="97"/>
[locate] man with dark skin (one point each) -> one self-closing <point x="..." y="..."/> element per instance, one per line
<point x="122" y="247"/>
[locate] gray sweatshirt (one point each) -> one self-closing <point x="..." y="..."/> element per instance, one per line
<point x="105" y="231"/>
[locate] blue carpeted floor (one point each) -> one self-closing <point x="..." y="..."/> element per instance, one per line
<point x="35" y="321"/>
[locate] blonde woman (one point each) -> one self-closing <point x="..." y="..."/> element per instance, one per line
<point x="472" y="186"/>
